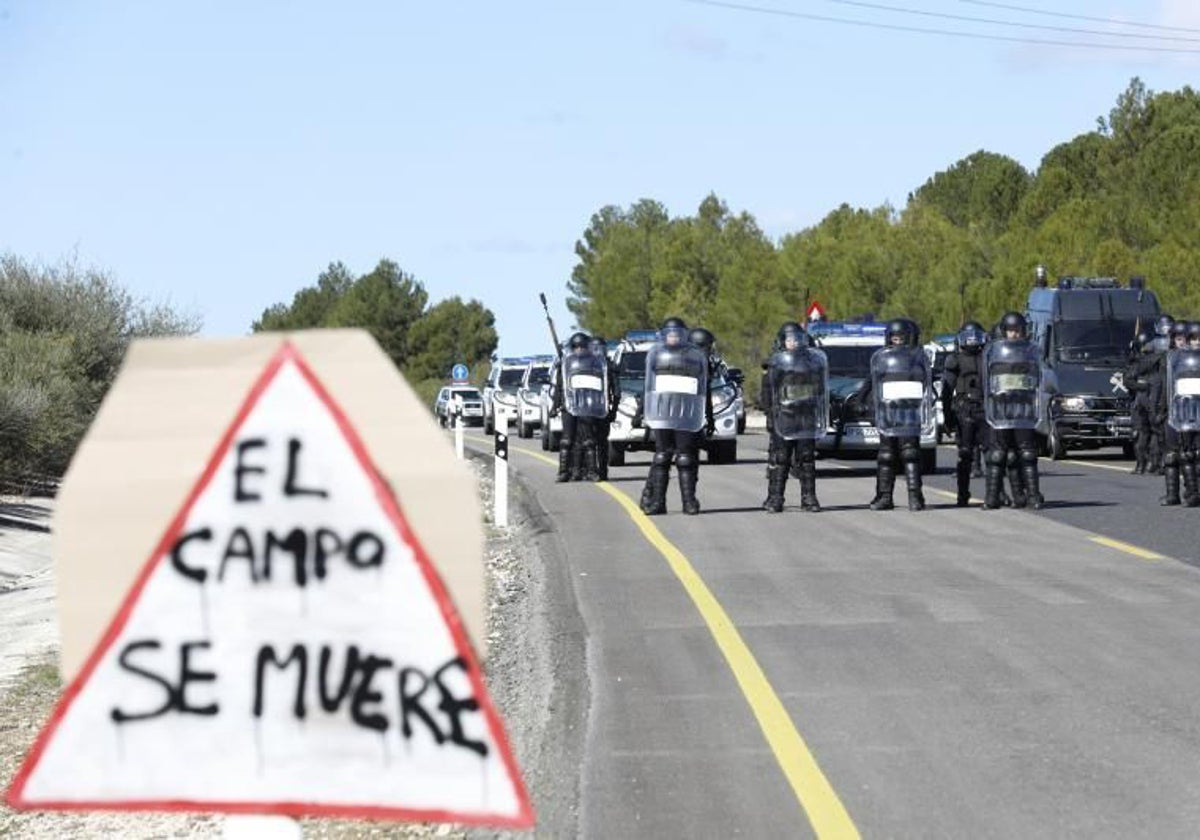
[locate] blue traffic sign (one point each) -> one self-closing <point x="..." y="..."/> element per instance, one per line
<point x="459" y="373"/>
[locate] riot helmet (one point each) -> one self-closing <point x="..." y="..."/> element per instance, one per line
<point x="790" y="330"/>
<point x="1040" y="276"/>
<point x="1013" y="322"/>
<point x="1179" y="335"/>
<point x="1141" y="341"/>
<point x="1193" y="334"/>
<point x="703" y="339"/>
<point x="673" y="332"/>
<point x="579" y="342"/>
<point x="1162" y="327"/>
<point x="598" y="345"/>
<point x="971" y="337"/>
<point x="903" y="328"/>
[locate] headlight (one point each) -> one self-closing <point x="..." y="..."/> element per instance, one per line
<point x="529" y="397"/>
<point x="1072" y="403"/>
<point x="722" y="397"/>
<point x="628" y="405"/>
<point x="506" y="398"/>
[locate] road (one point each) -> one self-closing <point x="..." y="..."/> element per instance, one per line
<point x="944" y="674"/>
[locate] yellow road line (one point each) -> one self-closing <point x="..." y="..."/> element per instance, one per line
<point x="817" y="797"/>
<point x="1143" y="553"/>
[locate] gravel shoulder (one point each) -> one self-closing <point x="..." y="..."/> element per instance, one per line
<point x="535" y="671"/>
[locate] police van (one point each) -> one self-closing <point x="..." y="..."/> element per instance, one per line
<point x="500" y="399"/>
<point x="629" y="432"/>
<point x="848" y="348"/>
<point x="1082" y="328"/>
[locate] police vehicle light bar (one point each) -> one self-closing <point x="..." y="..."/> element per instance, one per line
<point x="641" y="335"/>
<point x="827" y="328"/>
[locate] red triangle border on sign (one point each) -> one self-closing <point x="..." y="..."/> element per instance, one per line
<point x="391" y="506"/>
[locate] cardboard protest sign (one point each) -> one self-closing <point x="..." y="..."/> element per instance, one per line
<point x="290" y="645"/>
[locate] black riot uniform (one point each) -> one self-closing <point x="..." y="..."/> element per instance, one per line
<point x="1138" y="380"/>
<point x="677" y="414"/>
<point x="1014" y="448"/>
<point x="601" y="427"/>
<point x="707" y="342"/>
<point x="1173" y="457"/>
<point x="795" y="399"/>
<point x="1189" y="441"/>
<point x="962" y="399"/>
<point x="897" y="449"/>
<point x="576" y="449"/>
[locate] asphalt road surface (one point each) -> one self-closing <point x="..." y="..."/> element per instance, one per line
<point x="950" y="673"/>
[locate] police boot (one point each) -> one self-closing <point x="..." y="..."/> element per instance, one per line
<point x="654" y="495"/>
<point x="808" y="487"/>
<point x="993" y="486"/>
<point x="1171" y="472"/>
<point x="885" y="480"/>
<point x="912" y="472"/>
<point x="963" y="471"/>
<point x="1032" y="485"/>
<point x="777" y="475"/>
<point x="602" y="460"/>
<point x="1016" y="482"/>
<point x="589" y="468"/>
<point x="1139" y="455"/>
<point x="689" y="476"/>
<point x="1191" y="494"/>
<point x="1155" y="465"/>
<point x="564" y="462"/>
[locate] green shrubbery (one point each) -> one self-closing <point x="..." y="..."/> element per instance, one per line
<point x="63" y="333"/>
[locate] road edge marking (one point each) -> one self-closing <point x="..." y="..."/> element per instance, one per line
<point x="1128" y="548"/>
<point x="820" y="803"/>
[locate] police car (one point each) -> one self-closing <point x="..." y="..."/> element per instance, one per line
<point x="849" y="348"/>
<point x="629" y="432"/>
<point x="529" y="395"/>
<point x="500" y="400"/>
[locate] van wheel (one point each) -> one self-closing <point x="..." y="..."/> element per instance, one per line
<point x="722" y="452"/>
<point x="488" y="427"/>
<point x="523" y="431"/>
<point x="616" y="455"/>
<point x="1054" y="444"/>
<point x="545" y="436"/>
<point x="555" y="441"/>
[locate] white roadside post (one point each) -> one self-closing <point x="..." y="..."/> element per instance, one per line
<point x="501" y="488"/>
<point x="458" y="429"/>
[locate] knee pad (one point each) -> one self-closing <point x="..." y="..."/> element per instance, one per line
<point x="1171" y="458"/>
<point x="566" y="442"/>
<point x="806" y="452"/>
<point x="1029" y="456"/>
<point x="778" y="457"/>
<point x="910" y="452"/>
<point x="662" y="459"/>
<point x="996" y="457"/>
<point x="1013" y="457"/>
<point x="886" y="456"/>
<point x="685" y="460"/>
<point x="965" y="454"/>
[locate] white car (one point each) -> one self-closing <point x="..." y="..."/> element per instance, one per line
<point x="529" y="395"/>
<point x="551" y="426"/>
<point x="628" y="432"/>
<point x="849" y="348"/>
<point x="500" y="393"/>
<point x="462" y="399"/>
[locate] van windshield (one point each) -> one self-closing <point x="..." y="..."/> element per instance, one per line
<point x="510" y="378"/>
<point x="1095" y="341"/>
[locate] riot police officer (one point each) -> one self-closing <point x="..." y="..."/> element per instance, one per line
<point x="1138" y="380"/>
<point x="674" y="408"/>
<point x="1012" y="378"/>
<point x="962" y="398"/>
<point x="1179" y="367"/>
<point x="707" y="342"/>
<point x="795" y="399"/>
<point x="601" y="426"/>
<point x="900" y="382"/>
<point x="581" y="396"/>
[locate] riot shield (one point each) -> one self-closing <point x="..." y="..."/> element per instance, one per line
<point x="1183" y="390"/>
<point x="900" y="382"/>
<point x="799" y="382"/>
<point x="1011" y="379"/>
<point x="676" y="387"/>
<point x="585" y="385"/>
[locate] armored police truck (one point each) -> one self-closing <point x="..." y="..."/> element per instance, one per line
<point x="1082" y="329"/>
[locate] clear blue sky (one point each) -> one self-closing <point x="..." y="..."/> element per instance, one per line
<point x="218" y="155"/>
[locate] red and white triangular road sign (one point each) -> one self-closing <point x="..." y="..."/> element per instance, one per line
<point x="288" y="648"/>
<point x="815" y="312"/>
